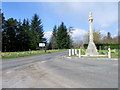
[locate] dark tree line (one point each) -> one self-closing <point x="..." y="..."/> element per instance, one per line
<point x="60" y="38"/>
<point x="26" y="35"/>
<point x="22" y="35"/>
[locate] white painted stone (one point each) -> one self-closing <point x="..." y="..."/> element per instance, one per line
<point x="70" y="52"/>
<point x="109" y="53"/>
<point x="79" y="53"/>
<point x="75" y="51"/>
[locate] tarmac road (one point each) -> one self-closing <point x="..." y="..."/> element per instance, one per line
<point x="17" y="62"/>
<point x="56" y="70"/>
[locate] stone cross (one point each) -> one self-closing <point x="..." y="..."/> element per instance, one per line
<point x="91" y="49"/>
<point x="90" y="27"/>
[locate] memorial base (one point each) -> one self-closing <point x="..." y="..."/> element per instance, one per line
<point x="91" y="50"/>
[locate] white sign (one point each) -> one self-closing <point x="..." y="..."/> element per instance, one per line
<point x="41" y="44"/>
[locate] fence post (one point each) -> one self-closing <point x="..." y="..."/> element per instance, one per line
<point x="109" y="53"/>
<point x="69" y="52"/>
<point x="79" y="53"/>
<point x="75" y="51"/>
<point x="72" y="51"/>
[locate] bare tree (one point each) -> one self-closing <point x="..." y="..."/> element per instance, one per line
<point x="96" y="37"/>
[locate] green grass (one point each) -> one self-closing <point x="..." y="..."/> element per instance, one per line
<point x="8" y="55"/>
<point x="114" y="53"/>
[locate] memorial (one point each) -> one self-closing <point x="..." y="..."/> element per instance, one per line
<point x="91" y="49"/>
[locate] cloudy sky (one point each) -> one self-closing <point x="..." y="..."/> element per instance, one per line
<point x="75" y="14"/>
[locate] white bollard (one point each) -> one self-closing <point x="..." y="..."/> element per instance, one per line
<point x="109" y="53"/>
<point x="79" y="53"/>
<point x="69" y="52"/>
<point x="75" y="51"/>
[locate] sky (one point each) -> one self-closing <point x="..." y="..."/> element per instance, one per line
<point x="73" y="14"/>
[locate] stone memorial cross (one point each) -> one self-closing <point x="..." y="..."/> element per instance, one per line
<point x="91" y="49"/>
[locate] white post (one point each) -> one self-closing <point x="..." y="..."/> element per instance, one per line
<point x="79" y="53"/>
<point x="69" y="52"/>
<point x="72" y="51"/>
<point x="75" y="51"/>
<point x="109" y="53"/>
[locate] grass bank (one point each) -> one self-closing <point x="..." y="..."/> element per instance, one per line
<point x="8" y="55"/>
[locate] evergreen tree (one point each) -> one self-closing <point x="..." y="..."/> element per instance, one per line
<point x="37" y="31"/>
<point x="108" y="38"/>
<point x="4" y="44"/>
<point x="19" y="45"/>
<point x="0" y="30"/>
<point x="20" y="36"/>
<point x="109" y="35"/>
<point x="54" y="38"/>
<point x="9" y="34"/>
<point x="63" y="38"/>
<point x="23" y="35"/>
<point x="28" y="35"/>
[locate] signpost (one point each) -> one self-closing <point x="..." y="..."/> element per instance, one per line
<point x="42" y="45"/>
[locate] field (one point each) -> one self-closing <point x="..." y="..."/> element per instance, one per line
<point x="8" y="55"/>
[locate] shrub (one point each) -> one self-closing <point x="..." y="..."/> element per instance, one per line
<point x="113" y="51"/>
<point x="83" y="51"/>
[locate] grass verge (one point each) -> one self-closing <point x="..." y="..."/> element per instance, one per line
<point x="8" y="55"/>
<point x="114" y="53"/>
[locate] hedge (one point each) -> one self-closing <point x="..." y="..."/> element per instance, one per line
<point x="105" y="46"/>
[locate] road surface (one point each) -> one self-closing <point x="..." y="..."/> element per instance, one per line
<point x="17" y="62"/>
<point x="56" y="70"/>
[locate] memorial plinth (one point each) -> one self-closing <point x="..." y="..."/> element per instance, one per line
<point x="91" y="49"/>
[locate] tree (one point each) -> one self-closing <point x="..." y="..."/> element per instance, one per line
<point x="96" y="37"/>
<point x="63" y="38"/>
<point x="1" y="19"/>
<point x="26" y="34"/>
<point x="78" y="44"/>
<point x="19" y="44"/>
<point x="9" y="34"/>
<point x="3" y="33"/>
<point x="109" y="35"/>
<point x="37" y="31"/>
<point x="108" y="38"/>
<point x="116" y="39"/>
<point x="53" y="40"/>
<point x="23" y="35"/>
